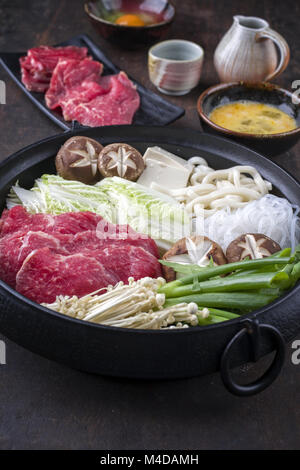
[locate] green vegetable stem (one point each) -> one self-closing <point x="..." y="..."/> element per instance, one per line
<point x="242" y="301"/>
<point x="210" y="272"/>
<point x="229" y="284"/>
<point x="249" y="285"/>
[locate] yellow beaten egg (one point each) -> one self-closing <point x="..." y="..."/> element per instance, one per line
<point x="252" y="118"/>
<point x="130" y="20"/>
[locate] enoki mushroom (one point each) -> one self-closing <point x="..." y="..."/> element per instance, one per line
<point x="211" y="190"/>
<point x="136" y="305"/>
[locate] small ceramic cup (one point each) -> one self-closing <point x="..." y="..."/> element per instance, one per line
<point x="175" y="66"/>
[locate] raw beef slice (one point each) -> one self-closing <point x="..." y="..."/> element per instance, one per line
<point x="46" y="274"/>
<point x="18" y="219"/>
<point x="74" y="222"/>
<point x="14" y="249"/>
<point x="32" y="79"/>
<point x="116" y="107"/>
<point x="80" y="76"/>
<point x="90" y="240"/>
<point x="9" y="249"/>
<point x="66" y="234"/>
<point x="37" y="66"/>
<point x="84" y="95"/>
<point x="129" y="261"/>
<point x="46" y="57"/>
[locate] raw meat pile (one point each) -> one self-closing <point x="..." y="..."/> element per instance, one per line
<point x="73" y="82"/>
<point x="37" y="67"/>
<point x="83" y="95"/>
<point x="43" y="256"/>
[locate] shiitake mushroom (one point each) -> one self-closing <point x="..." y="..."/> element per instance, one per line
<point x="252" y="246"/>
<point x="179" y="253"/>
<point x="77" y="160"/>
<point x="121" y="160"/>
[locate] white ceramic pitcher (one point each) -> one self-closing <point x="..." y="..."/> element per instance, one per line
<point x="247" y="51"/>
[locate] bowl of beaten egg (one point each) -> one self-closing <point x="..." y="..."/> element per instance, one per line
<point x="261" y="116"/>
<point x="131" y="23"/>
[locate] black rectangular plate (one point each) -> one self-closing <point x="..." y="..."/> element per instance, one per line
<point x="154" y="110"/>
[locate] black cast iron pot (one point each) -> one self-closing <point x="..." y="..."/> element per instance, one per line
<point x="142" y="353"/>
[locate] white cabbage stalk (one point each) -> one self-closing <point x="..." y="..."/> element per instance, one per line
<point x="117" y="200"/>
<point x="136" y="305"/>
<point x="33" y="201"/>
<point x="54" y="195"/>
<point x="147" y="211"/>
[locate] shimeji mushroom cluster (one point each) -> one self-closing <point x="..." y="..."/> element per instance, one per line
<point x="134" y="305"/>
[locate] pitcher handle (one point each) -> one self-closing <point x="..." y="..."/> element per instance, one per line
<point x="284" y="50"/>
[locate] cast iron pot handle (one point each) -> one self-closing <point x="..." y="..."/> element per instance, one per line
<point x="253" y="329"/>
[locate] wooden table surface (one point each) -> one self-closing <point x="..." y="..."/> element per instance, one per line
<point x="45" y="405"/>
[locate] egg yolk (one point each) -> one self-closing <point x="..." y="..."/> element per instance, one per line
<point x="130" y="20"/>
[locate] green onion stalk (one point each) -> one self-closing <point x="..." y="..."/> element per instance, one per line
<point x="248" y="285"/>
<point x="230" y="284"/>
<point x="207" y="273"/>
<point x="216" y="316"/>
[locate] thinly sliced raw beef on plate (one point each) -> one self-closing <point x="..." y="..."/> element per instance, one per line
<point x="32" y="79"/>
<point x="37" y="66"/>
<point x="117" y="107"/>
<point x="74" y="80"/>
<point x="78" y="88"/>
<point x="46" y="57"/>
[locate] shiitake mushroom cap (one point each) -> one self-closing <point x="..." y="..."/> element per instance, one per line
<point x="121" y="160"/>
<point x="237" y="249"/>
<point x="71" y="165"/>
